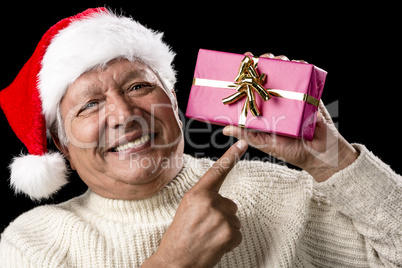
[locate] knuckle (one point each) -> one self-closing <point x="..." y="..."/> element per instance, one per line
<point x="226" y="234"/>
<point x="229" y="205"/>
<point x="239" y="239"/>
<point x="191" y="195"/>
<point x="236" y="223"/>
<point x="197" y="200"/>
<point x="197" y="196"/>
<point x="232" y="239"/>
<point x="217" y="170"/>
<point x="233" y="208"/>
<point x="229" y="233"/>
<point x="219" y="221"/>
<point x="222" y="166"/>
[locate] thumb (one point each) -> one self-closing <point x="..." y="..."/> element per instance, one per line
<point x="214" y="177"/>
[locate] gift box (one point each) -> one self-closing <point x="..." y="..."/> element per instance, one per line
<point x="268" y="95"/>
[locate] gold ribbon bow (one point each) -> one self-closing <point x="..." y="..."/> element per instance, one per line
<point x="248" y="80"/>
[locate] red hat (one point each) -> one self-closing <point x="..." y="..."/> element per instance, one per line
<point x="68" y="49"/>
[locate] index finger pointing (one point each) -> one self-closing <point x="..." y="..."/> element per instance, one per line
<point x="214" y="177"/>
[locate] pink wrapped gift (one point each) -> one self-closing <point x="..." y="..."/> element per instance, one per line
<point x="268" y="95"/>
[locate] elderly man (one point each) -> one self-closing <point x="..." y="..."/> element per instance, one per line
<point x="101" y="86"/>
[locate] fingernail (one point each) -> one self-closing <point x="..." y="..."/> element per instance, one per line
<point x="268" y="55"/>
<point x="241" y="144"/>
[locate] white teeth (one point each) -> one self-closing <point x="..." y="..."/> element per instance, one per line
<point x="138" y="142"/>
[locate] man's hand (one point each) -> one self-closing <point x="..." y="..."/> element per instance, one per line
<point x="205" y="226"/>
<point x="328" y="153"/>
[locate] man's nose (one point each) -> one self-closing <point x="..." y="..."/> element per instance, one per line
<point x="121" y="112"/>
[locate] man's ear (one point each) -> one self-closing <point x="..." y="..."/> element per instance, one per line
<point x="63" y="149"/>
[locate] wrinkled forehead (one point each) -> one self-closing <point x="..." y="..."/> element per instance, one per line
<point x="124" y="62"/>
<point x="113" y="73"/>
<point x="120" y="70"/>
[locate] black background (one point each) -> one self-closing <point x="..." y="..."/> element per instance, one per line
<point x="358" y="45"/>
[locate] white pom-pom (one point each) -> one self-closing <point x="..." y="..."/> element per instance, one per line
<point x="38" y="176"/>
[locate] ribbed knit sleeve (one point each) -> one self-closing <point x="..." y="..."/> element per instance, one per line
<point x="35" y="240"/>
<point x="370" y="193"/>
<point x="11" y="256"/>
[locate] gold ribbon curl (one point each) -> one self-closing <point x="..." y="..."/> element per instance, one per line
<point x="248" y="80"/>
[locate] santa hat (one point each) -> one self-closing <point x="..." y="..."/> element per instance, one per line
<point x="68" y="49"/>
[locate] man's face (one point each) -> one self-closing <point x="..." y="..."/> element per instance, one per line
<point x="124" y="139"/>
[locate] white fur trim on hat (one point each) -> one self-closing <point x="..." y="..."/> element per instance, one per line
<point x="38" y="176"/>
<point x="94" y="41"/>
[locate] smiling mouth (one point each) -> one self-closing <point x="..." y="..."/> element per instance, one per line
<point x="133" y="144"/>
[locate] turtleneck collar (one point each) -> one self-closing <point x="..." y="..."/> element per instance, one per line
<point x="160" y="207"/>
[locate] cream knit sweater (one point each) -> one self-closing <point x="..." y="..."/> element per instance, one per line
<point x="352" y="220"/>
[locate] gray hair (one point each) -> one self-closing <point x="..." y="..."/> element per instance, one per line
<point x="57" y="127"/>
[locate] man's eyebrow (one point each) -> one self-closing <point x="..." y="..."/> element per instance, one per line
<point x="88" y="91"/>
<point x="92" y="89"/>
<point x="134" y="74"/>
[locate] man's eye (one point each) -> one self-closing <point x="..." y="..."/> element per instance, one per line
<point x="88" y="106"/>
<point x="140" y="86"/>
